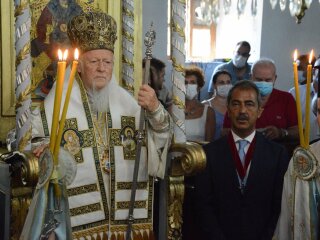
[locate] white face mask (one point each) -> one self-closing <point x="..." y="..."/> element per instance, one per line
<point x="239" y="61"/>
<point x="191" y="91"/>
<point x="223" y="90"/>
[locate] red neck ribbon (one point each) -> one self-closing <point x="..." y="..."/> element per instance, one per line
<point x="242" y="170"/>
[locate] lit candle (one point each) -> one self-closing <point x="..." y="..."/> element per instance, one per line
<point x="57" y="99"/>
<point x="298" y="103"/>
<point x="66" y="103"/>
<point x="308" y="101"/>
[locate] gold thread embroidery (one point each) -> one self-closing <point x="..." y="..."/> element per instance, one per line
<point x="82" y="190"/>
<point x="128" y="185"/>
<point x="85" y="209"/>
<point x="126" y="204"/>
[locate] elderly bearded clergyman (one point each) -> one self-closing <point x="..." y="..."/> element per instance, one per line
<point x="100" y="113"/>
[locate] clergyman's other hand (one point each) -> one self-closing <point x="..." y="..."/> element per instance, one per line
<point x="40" y="149"/>
<point x="147" y="98"/>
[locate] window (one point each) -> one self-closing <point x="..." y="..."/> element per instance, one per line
<point x="218" y="41"/>
<point x="200" y="40"/>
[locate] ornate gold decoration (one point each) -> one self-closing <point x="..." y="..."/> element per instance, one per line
<point x="127" y="12"/>
<point x="89" y="232"/>
<point x="178" y="67"/>
<point x="177" y="101"/>
<point x="127" y="35"/>
<point x="19" y="10"/>
<point x="74" y="140"/>
<point x="125" y="137"/>
<point x="128" y="185"/>
<point x="127" y="61"/>
<point x="85" y="209"/>
<point x="25" y="140"/>
<point x="140" y="226"/>
<point x="128" y="86"/>
<point x="93" y="30"/>
<point x="82" y="190"/>
<point x="177" y="28"/>
<point x="137" y="204"/>
<point x="23" y="96"/>
<point x="19" y="209"/>
<point x="305" y="164"/>
<point x="23" y="53"/>
<point x="192" y="160"/>
<point x="175" y="203"/>
<point x="42" y="62"/>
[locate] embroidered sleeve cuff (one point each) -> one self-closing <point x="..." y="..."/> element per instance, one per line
<point x="159" y="119"/>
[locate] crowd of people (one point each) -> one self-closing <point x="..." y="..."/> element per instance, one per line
<point x="240" y="194"/>
<point x="250" y="126"/>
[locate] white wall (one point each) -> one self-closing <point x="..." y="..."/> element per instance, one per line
<point x="233" y="28"/>
<point x="281" y="35"/>
<point x="156" y="11"/>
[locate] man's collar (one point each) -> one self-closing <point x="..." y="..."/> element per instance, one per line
<point x="249" y="138"/>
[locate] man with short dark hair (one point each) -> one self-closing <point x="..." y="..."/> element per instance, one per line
<point x="157" y="73"/>
<point x="238" y="66"/>
<point x="278" y="121"/>
<point x="239" y="192"/>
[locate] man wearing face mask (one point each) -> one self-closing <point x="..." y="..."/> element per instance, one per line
<point x="303" y="93"/>
<point x="278" y="120"/>
<point x="238" y="66"/>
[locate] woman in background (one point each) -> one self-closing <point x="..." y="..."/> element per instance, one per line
<point x="200" y="119"/>
<point x="222" y="84"/>
<point x="200" y="126"/>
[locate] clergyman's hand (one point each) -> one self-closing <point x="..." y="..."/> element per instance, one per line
<point x="40" y="149"/>
<point x="147" y="98"/>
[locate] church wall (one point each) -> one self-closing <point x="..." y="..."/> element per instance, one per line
<point x="156" y="11"/>
<point x="281" y="35"/>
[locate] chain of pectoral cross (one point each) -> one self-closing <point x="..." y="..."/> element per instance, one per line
<point x="102" y="140"/>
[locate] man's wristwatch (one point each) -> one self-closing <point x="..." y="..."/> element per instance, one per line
<point x="284" y="133"/>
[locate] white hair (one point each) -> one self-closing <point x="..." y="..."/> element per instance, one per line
<point x="99" y="98"/>
<point x="264" y="62"/>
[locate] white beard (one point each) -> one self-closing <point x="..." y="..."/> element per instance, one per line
<point x="99" y="98"/>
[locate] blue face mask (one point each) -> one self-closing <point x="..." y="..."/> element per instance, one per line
<point x="265" y="88"/>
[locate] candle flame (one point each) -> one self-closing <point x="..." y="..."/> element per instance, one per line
<point x="59" y="54"/>
<point x="65" y="55"/>
<point x="310" y="56"/>
<point x="295" y="55"/>
<point x="76" y="54"/>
